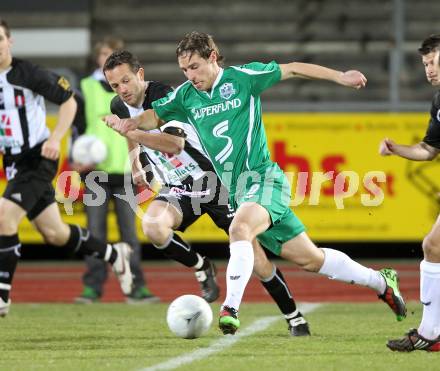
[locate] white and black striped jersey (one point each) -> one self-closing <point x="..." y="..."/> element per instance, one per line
<point x="23" y="88"/>
<point x="170" y="170"/>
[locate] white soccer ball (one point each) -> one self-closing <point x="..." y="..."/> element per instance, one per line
<point x="189" y="316"/>
<point x="89" y="150"/>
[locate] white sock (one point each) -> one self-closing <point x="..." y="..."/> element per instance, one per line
<point x="338" y="266"/>
<point x="238" y="272"/>
<point x="108" y="252"/>
<point x="291" y="315"/>
<point x="430" y="297"/>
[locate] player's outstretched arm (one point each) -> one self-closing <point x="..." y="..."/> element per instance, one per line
<point x="162" y="142"/>
<point x="352" y="78"/>
<point x="147" y="120"/>
<point x="417" y="152"/>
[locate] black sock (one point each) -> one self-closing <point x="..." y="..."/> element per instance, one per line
<point x="82" y="242"/>
<point x="9" y="255"/>
<point x="205" y="264"/>
<point x="180" y="251"/>
<point x="279" y="291"/>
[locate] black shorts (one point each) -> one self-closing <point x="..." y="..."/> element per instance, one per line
<point x="192" y="208"/>
<point x="30" y="182"/>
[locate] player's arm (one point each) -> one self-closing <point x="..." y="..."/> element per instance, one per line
<point x="162" y="142"/>
<point x="57" y="90"/>
<point x="147" y="120"/>
<point x="352" y="78"/>
<point x="427" y="149"/>
<point x="66" y="114"/>
<point x="137" y="172"/>
<point x="416" y="152"/>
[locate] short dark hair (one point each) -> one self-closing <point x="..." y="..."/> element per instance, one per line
<point x="198" y="42"/>
<point x="430" y="44"/>
<point x="120" y="57"/>
<point x="5" y="26"/>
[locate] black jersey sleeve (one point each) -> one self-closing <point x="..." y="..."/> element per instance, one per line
<point x="51" y="86"/>
<point x="117" y="107"/>
<point x="432" y="136"/>
<point x="178" y="132"/>
<point x="155" y="91"/>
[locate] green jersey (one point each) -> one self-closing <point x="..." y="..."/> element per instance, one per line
<point x="227" y="119"/>
<point x="229" y="124"/>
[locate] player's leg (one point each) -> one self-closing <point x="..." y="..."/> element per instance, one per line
<point x="270" y="276"/>
<point x="430" y="284"/>
<point x="337" y="265"/>
<point x="273" y="281"/>
<point x="19" y="198"/>
<point x="159" y="223"/>
<point x="125" y="216"/>
<point x="427" y="336"/>
<point x="96" y="272"/>
<point x="10" y="216"/>
<point x="79" y="240"/>
<point x="250" y="219"/>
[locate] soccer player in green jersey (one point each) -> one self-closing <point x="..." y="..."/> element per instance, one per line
<point x="223" y="105"/>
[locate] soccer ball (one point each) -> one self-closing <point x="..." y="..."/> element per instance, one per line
<point x="189" y="316"/>
<point x="88" y="150"/>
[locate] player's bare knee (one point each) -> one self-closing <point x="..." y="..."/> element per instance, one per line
<point x="239" y="231"/>
<point x="7" y="226"/>
<point x="51" y="237"/>
<point x="56" y="234"/>
<point x="263" y="268"/>
<point x="156" y="233"/>
<point x="148" y="229"/>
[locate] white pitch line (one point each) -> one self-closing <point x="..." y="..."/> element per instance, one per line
<point x="224" y="342"/>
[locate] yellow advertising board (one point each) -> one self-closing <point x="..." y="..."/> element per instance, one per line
<point x="348" y="144"/>
<point x="341" y="188"/>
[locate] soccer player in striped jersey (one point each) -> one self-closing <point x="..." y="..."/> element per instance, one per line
<point x="30" y="162"/>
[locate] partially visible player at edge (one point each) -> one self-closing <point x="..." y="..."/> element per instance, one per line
<point x="427" y="336"/>
<point x="30" y="161"/>
<point x="187" y="178"/>
<point x="224" y="107"/>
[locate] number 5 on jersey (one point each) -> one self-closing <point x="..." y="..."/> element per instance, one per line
<point x="218" y="131"/>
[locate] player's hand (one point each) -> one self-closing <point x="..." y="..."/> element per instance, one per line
<point x="51" y="149"/>
<point x="122" y="126"/>
<point x="353" y="79"/>
<point x="140" y="178"/>
<point x="386" y="147"/>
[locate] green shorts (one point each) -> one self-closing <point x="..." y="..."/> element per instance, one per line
<point x="283" y="230"/>
<point x="270" y="189"/>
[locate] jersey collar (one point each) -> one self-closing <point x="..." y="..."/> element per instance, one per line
<point x="217" y="80"/>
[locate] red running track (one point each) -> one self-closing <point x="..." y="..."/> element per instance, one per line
<point x="61" y="282"/>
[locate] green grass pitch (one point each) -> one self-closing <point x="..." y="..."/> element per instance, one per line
<point x="135" y="337"/>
